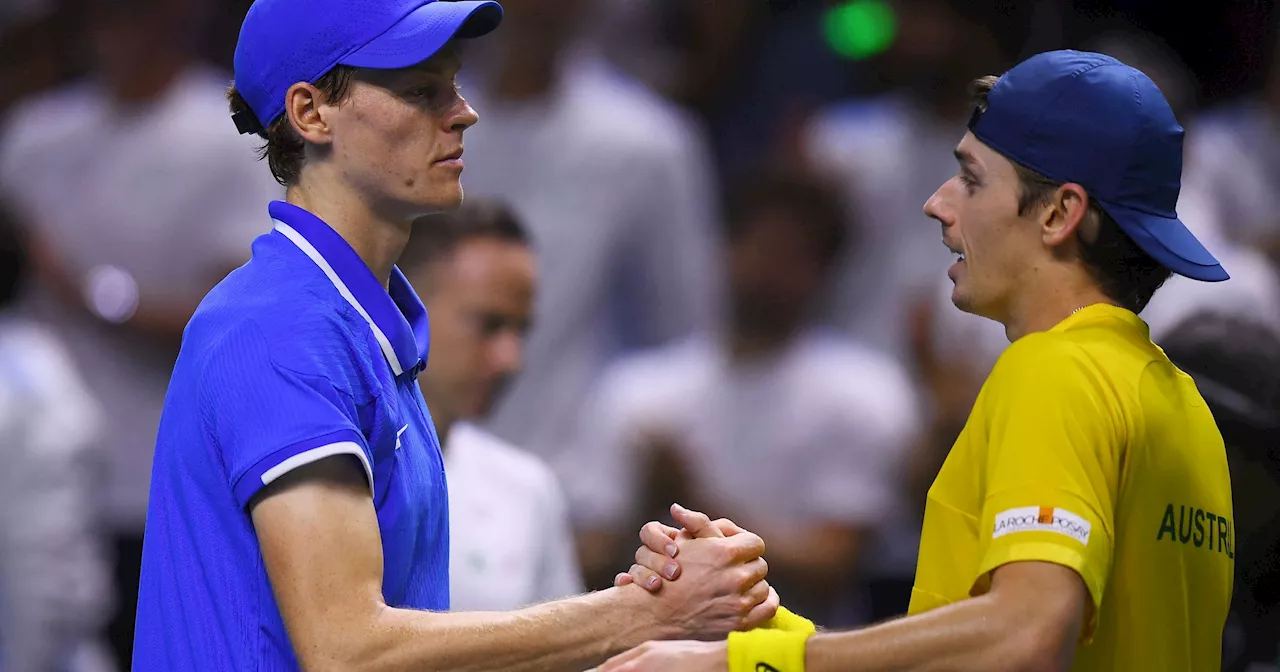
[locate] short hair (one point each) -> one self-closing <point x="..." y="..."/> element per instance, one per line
<point x="1122" y="269"/>
<point x="1235" y="361"/>
<point x="436" y="237"/>
<point x="14" y="262"/>
<point x="285" y="150"/>
<point x="815" y="203"/>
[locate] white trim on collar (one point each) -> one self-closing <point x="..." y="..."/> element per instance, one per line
<point x="309" y="250"/>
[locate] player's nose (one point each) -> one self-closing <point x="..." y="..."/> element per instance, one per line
<point x="937" y="208"/>
<point x="463" y="116"/>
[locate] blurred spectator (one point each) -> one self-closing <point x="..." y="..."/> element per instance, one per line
<point x="33" y="48"/>
<point x="613" y="183"/>
<point x="890" y="153"/>
<point x="1235" y="362"/>
<point x="54" y="590"/>
<point x="1254" y="287"/>
<point x="752" y="69"/>
<point x="20" y="11"/>
<point x="141" y="196"/>
<point x="1233" y="162"/>
<point x="794" y="433"/>
<point x="509" y="541"/>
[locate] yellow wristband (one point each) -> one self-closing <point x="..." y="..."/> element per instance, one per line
<point x="789" y="621"/>
<point x="763" y="650"/>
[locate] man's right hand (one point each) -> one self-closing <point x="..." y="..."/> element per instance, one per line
<point x="725" y="588"/>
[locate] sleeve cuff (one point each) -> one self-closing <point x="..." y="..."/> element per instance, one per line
<point x="1053" y="553"/>
<point x="284" y="460"/>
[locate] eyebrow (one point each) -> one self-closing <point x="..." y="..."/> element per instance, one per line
<point x="965" y="159"/>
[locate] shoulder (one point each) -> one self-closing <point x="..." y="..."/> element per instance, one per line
<point x="1043" y="353"/>
<point x="34" y="361"/>
<point x="47" y="118"/>
<point x="37" y="374"/>
<point x="267" y="312"/>
<point x="848" y="127"/>
<point x="1084" y="365"/>
<point x="53" y="108"/>
<point x="202" y="118"/>
<point x="505" y="464"/>
<point x="1219" y="138"/>
<point x="654" y="385"/>
<point x="851" y="373"/>
<point x="658" y="369"/>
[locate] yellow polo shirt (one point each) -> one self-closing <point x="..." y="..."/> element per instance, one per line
<point x="1087" y="448"/>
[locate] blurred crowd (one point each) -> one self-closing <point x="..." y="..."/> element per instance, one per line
<point x="732" y="299"/>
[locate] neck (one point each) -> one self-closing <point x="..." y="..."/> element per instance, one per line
<point x="377" y="238"/>
<point x="1042" y="305"/>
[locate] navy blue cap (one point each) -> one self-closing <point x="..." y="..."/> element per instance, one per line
<point x="283" y="42"/>
<point x="1087" y="118"/>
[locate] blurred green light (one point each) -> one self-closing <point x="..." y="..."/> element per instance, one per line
<point x="859" y="29"/>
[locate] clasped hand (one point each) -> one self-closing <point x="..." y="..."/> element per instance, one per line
<point x="724" y="563"/>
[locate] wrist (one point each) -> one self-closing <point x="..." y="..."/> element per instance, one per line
<point x="649" y="618"/>
<point x="790" y="621"/>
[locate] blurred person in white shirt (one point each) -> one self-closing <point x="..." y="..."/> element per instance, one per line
<point x="798" y="432"/>
<point x="54" y="590"/>
<point x="140" y="196"/>
<point x="509" y="539"/>
<point x="1233" y="160"/>
<point x="615" y="184"/>
<point x="889" y="153"/>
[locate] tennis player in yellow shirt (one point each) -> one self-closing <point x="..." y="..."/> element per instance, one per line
<point x="1082" y="520"/>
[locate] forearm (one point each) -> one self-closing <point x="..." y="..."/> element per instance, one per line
<point x="972" y="635"/>
<point x="572" y="634"/>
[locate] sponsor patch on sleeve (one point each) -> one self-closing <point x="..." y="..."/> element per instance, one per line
<point x="1042" y="519"/>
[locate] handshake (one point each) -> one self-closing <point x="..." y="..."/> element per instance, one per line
<point x="708" y="583"/>
<point x="709" y="577"/>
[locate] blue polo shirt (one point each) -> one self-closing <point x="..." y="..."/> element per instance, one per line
<point x="298" y="355"/>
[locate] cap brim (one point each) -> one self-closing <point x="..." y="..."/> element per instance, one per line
<point x="426" y="30"/>
<point x="1169" y="242"/>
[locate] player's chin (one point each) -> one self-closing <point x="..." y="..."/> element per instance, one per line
<point x="961" y="298"/>
<point x="442" y="194"/>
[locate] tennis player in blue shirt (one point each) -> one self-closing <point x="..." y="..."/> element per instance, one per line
<point x="298" y="514"/>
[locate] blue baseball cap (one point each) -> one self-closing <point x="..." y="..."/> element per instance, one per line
<point x="1087" y="118"/>
<point x="283" y="42"/>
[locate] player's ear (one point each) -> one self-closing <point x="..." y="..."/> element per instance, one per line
<point x="1065" y="216"/>
<point x="303" y="104"/>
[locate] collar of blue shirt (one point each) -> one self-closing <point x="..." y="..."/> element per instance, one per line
<point x="396" y="315"/>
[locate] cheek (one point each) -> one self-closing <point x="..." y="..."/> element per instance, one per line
<point x="387" y="140"/>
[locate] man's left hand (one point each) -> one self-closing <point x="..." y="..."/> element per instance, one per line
<point x="687" y="656"/>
